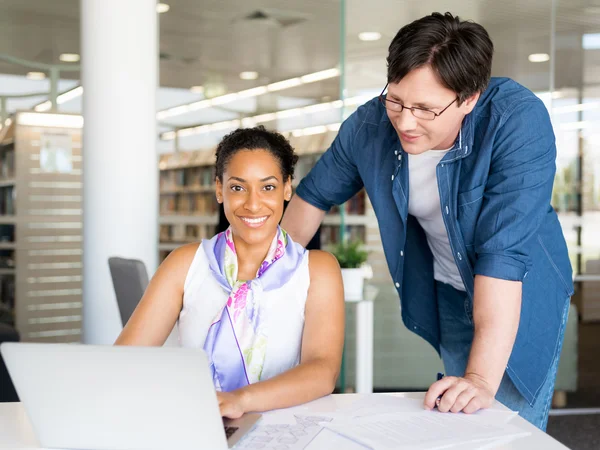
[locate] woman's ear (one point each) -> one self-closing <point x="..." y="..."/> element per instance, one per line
<point x="287" y="190"/>
<point x="219" y="190"/>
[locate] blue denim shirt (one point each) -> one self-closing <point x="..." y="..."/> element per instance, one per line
<point x="495" y="186"/>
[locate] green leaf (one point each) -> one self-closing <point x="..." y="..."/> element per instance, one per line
<point x="350" y="255"/>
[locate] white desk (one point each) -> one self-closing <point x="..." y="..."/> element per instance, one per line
<point x="16" y="432"/>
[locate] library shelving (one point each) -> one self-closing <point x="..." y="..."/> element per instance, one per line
<point x="41" y="226"/>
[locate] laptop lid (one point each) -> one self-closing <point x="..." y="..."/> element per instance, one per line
<point x="116" y="397"/>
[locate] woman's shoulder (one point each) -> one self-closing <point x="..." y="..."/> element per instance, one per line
<point x="179" y="261"/>
<point x="187" y="264"/>
<point x="322" y="264"/>
<point x="183" y="254"/>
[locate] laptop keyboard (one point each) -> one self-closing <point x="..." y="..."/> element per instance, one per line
<point x="229" y="431"/>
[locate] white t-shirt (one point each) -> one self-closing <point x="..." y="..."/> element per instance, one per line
<point x="424" y="205"/>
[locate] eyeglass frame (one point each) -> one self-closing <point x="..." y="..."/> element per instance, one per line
<point x="383" y="100"/>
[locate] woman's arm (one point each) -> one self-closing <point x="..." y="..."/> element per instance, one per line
<point x="158" y="310"/>
<point x="322" y="345"/>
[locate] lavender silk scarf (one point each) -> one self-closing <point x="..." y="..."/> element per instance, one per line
<point x="237" y="338"/>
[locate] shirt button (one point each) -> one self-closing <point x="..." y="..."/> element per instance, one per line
<point x="395" y="152"/>
<point x="397" y="284"/>
<point x="401" y="253"/>
<point x="459" y="256"/>
<point x="392" y="177"/>
<point x="442" y="165"/>
<point x="447" y="210"/>
<point x="399" y="157"/>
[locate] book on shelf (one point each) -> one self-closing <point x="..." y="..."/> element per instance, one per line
<point x="185" y="233"/>
<point x="331" y="234"/>
<point x="7" y="163"/>
<point x="167" y="205"/>
<point x="7" y="200"/>
<point x="188" y="203"/>
<point x="354" y="206"/>
<point x="189" y="177"/>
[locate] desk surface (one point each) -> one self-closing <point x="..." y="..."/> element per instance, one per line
<point x="16" y="432"/>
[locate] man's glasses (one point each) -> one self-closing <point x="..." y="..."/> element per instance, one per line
<point x="419" y="113"/>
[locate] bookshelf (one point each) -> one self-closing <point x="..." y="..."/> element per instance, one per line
<point x="40" y="226"/>
<point x="189" y="211"/>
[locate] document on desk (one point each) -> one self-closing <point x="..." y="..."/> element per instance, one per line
<point x="423" y="430"/>
<point x="377" y="404"/>
<point x="268" y="435"/>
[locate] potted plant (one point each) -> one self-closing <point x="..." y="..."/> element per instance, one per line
<point x="353" y="262"/>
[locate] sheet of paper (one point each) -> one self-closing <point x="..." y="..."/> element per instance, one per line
<point x="424" y="430"/>
<point x="372" y="405"/>
<point x="277" y="418"/>
<point x="494" y="416"/>
<point x="267" y="435"/>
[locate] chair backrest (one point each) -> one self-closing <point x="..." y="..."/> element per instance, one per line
<point x="130" y="280"/>
<point x="7" y="390"/>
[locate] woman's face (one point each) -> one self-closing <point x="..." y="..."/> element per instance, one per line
<point x="252" y="193"/>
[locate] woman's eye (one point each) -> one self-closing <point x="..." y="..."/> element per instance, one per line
<point x="269" y="187"/>
<point x="236" y="188"/>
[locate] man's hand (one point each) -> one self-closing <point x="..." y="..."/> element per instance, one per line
<point x="231" y="404"/>
<point x="467" y="394"/>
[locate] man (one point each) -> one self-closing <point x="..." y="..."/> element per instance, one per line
<point x="459" y="169"/>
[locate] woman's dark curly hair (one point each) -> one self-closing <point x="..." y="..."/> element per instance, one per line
<point x="254" y="139"/>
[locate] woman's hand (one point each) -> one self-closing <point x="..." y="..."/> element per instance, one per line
<point x="231" y="404"/>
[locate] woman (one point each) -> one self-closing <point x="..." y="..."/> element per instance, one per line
<point x="268" y="313"/>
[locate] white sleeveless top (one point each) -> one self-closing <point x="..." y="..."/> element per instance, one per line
<point x="203" y="298"/>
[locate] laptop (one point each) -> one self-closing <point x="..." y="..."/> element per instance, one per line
<point x="120" y="397"/>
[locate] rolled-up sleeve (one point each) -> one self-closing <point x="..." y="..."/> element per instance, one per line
<point x="335" y="177"/>
<point x="517" y="194"/>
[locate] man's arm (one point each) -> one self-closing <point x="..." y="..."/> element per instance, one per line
<point x="495" y="333"/>
<point x="301" y="220"/>
<point x="495" y="328"/>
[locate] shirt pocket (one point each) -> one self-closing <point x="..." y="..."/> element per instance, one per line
<point x="469" y="206"/>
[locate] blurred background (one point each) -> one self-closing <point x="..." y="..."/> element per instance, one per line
<point x="110" y="112"/>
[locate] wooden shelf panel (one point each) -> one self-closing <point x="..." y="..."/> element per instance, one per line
<point x="350" y="219"/>
<point x="7" y="220"/>
<point x="179" y="219"/>
<point x="6" y="182"/>
<point x="188" y="190"/>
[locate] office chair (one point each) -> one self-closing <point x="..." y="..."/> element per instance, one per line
<point x="7" y="390"/>
<point x="130" y="280"/>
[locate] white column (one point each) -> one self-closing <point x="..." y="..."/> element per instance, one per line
<point x="364" y="347"/>
<point x="120" y="168"/>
